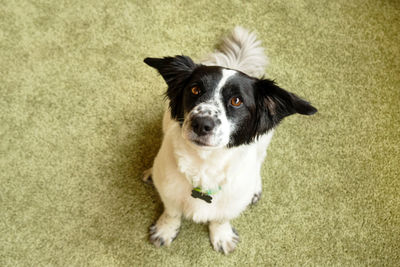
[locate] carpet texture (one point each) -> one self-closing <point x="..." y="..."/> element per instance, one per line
<point x="80" y="120"/>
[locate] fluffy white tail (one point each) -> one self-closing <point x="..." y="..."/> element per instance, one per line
<point x="241" y="51"/>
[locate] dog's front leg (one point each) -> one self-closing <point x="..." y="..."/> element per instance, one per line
<point x="223" y="237"/>
<point x="165" y="230"/>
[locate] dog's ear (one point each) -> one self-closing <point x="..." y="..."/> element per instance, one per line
<point x="176" y="72"/>
<point x="275" y="103"/>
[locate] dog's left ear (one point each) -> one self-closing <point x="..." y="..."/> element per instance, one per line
<point x="277" y="103"/>
<point x="174" y="70"/>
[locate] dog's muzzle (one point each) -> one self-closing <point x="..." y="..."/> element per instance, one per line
<point x="203" y="126"/>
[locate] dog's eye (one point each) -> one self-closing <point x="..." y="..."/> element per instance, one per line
<point x="196" y="90"/>
<point x="236" y="101"/>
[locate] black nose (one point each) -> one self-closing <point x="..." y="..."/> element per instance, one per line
<point x="202" y="125"/>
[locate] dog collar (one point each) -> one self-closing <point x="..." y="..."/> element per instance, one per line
<point x="197" y="192"/>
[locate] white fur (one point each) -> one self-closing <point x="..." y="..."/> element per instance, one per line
<point x="180" y="165"/>
<point x="241" y="51"/>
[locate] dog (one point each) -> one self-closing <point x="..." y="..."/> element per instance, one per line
<point x="220" y="119"/>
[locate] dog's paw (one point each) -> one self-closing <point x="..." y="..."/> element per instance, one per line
<point x="256" y="198"/>
<point x="162" y="236"/>
<point x="147" y="176"/>
<point x="164" y="231"/>
<point x="224" y="238"/>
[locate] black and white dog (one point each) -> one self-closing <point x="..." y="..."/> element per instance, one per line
<point x="216" y="132"/>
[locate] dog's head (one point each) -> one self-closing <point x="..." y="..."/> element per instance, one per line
<point x="219" y="107"/>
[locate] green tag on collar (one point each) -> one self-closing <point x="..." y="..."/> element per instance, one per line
<point x="207" y="192"/>
<point x="204" y="195"/>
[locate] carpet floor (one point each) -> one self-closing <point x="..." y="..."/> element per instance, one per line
<point x="80" y="121"/>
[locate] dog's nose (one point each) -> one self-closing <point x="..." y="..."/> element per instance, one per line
<point x="202" y="125"/>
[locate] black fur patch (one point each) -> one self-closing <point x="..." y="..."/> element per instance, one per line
<point x="268" y="105"/>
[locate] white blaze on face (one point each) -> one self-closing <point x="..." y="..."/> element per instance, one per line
<point x="224" y="130"/>
<point x="226" y="74"/>
<point x="214" y="107"/>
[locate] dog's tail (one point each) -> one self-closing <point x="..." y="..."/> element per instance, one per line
<point x="241" y="51"/>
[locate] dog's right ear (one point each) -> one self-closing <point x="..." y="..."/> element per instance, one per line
<point x="176" y="72"/>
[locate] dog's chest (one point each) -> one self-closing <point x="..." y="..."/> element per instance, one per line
<point x="206" y="170"/>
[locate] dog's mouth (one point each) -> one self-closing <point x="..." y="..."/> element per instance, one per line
<point x="200" y="143"/>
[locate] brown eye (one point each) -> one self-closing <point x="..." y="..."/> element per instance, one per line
<point x="236" y="101"/>
<point x="196" y="90"/>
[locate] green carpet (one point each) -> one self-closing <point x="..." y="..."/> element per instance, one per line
<point x="80" y="120"/>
